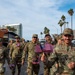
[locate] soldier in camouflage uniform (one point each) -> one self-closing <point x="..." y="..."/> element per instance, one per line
<point x="63" y="57"/>
<point x="45" y="56"/>
<point x="10" y="44"/>
<point x="8" y="47"/>
<point x="32" y="69"/>
<point x="23" y="42"/>
<point x="3" y="55"/>
<point x="15" y="55"/>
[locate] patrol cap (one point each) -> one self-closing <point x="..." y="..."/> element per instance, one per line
<point x="17" y="37"/>
<point x="22" y="39"/>
<point x="47" y="35"/>
<point x="0" y="39"/>
<point x="68" y="31"/>
<point x="34" y="36"/>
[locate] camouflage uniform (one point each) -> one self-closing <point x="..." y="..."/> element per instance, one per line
<point x="32" y="69"/>
<point x="8" y="47"/>
<point x="63" y="56"/>
<point x="47" y="63"/>
<point x="3" y="55"/>
<point x="15" y="55"/>
<point x="23" y="42"/>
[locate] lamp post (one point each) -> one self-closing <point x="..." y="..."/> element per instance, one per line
<point x="56" y="28"/>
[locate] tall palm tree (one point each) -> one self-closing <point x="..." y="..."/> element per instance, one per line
<point x="71" y="12"/>
<point x="60" y="24"/>
<point x="63" y="19"/>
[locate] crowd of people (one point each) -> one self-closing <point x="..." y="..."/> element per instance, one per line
<point x="58" y="59"/>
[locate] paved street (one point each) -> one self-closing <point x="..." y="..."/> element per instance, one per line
<point x="23" y="70"/>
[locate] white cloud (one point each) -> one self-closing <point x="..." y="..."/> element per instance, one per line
<point x="33" y="14"/>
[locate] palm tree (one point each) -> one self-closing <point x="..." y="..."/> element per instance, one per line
<point x="46" y="30"/>
<point x="71" y="12"/>
<point x="13" y="29"/>
<point x="8" y="27"/>
<point x="61" y="24"/>
<point x="63" y="19"/>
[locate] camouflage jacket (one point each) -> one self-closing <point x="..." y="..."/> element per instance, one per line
<point x="16" y="50"/>
<point x="30" y="50"/>
<point x="9" y="45"/>
<point x="63" y="55"/>
<point x="23" y="44"/>
<point x="3" y="54"/>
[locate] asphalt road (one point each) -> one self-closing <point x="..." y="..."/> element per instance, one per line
<point x="23" y="69"/>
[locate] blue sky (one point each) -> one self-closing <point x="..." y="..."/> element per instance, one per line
<point x="35" y="14"/>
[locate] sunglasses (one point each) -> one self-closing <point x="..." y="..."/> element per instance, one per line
<point x="34" y="37"/>
<point x="67" y="35"/>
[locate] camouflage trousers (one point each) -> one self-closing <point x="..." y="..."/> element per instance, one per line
<point x="46" y="71"/>
<point x="15" y="62"/>
<point x="2" y="69"/>
<point x="1" y="74"/>
<point x="33" y="69"/>
<point x="60" y="71"/>
<point x="47" y="68"/>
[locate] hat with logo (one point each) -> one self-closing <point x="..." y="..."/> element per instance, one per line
<point x="35" y="35"/>
<point x="68" y="31"/>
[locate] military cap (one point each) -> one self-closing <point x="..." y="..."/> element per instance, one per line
<point x="68" y="31"/>
<point x="35" y="35"/>
<point x="17" y="37"/>
<point x="22" y="39"/>
<point x="47" y="35"/>
<point x="0" y="39"/>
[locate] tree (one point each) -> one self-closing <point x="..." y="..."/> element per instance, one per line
<point x="8" y="27"/>
<point x="60" y="24"/>
<point x="11" y="28"/>
<point x="63" y="19"/>
<point x="46" y="30"/>
<point x="71" y="12"/>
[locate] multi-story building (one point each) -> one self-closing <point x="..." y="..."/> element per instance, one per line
<point x="16" y="28"/>
<point x="74" y="34"/>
